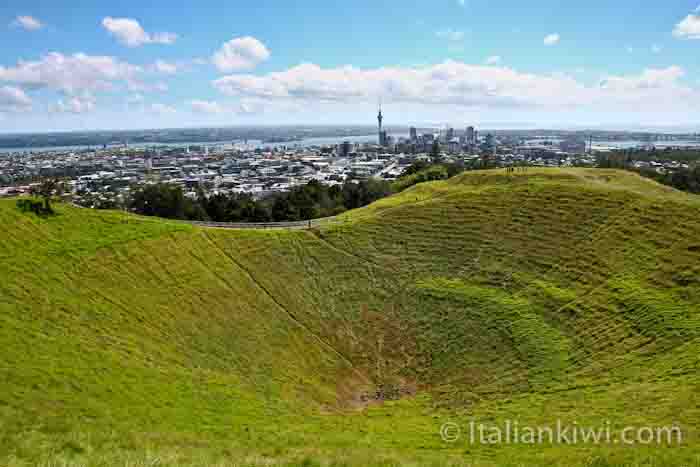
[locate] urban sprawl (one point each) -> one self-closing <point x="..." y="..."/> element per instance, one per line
<point x="109" y="174"/>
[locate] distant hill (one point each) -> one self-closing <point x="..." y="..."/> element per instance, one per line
<point x="560" y="294"/>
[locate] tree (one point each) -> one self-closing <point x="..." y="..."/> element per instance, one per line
<point x="435" y="152"/>
<point x="414" y="168"/>
<point x="160" y="200"/>
<point x="282" y="210"/>
<point x="305" y="202"/>
<point x="46" y="190"/>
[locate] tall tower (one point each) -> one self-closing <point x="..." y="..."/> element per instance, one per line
<point x="379" y="120"/>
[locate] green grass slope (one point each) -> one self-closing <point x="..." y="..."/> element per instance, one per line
<point x="534" y="297"/>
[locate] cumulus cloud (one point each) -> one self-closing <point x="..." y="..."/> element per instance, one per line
<point x="28" y="23"/>
<point x="207" y="107"/>
<point x="129" y="32"/>
<point x="13" y="99"/>
<point x="450" y="82"/>
<point x="74" y="104"/>
<point x="688" y="28"/>
<point x="135" y="85"/>
<point x="69" y="73"/>
<point x="164" y="67"/>
<point x="242" y="53"/>
<point x="552" y="39"/>
<point x="493" y="60"/>
<point x="459" y="84"/>
<point x="450" y="35"/>
<point x="663" y="86"/>
<point x="161" y="109"/>
<point x="653" y="78"/>
<point x="216" y="108"/>
<point x="135" y="99"/>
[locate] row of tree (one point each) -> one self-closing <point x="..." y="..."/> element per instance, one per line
<point x="685" y="179"/>
<point x="662" y="155"/>
<point x="623" y="159"/>
<point x="309" y="201"/>
<point x="680" y="179"/>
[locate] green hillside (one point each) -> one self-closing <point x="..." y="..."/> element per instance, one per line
<point x="549" y="295"/>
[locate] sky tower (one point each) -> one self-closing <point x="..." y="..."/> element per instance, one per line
<point x="379" y="126"/>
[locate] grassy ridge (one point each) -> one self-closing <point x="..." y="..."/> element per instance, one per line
<point x="552" y="294"/>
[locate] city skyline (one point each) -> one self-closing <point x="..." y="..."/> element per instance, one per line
<point x="522" y="65"/>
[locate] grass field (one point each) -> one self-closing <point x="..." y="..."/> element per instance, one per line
<point x="548" y="296"/>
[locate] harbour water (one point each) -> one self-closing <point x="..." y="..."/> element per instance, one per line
<point x="306" y="142"/>
<point x="330" y="140"/>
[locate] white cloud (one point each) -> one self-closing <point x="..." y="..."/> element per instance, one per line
<point x="164" y="67"/>
<point x="130" y="33"/>
<point x="650" y="79"/>
<point x="450" y="35"/>
<point x="28" y="23"/>
<point x="161" y="109"/>
<point x="459" y="85"/>
<point x="13" y="99"/>
<point x="689" y="28"/>
<point x="552" y="39"/>
<point x="242" y="53"/>
<point x="213" y="108"/>
<point x="207" y="107"/>
<point x="70" y="73"/>
<point x="135" y="99"/>
<point x="135" y="85"/>
<point x="449" y="82"/>
<point x="249" y="107"/>
<point x="493" y="60"/>
<point x="74" y="104"/>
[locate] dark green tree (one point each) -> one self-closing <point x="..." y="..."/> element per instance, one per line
<point x="435" y="155"/>
<point x="47" y="190"/>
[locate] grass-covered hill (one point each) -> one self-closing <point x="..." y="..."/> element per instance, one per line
<point x="534" y="297"/>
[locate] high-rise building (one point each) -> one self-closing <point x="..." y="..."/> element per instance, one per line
<point x="413" y="133"/>
<point x="345" y="149"/>
<point x="489" y="145"/>
<point x="450" y="134"/>
<point x="381" y="134"/>
<point x="383" y="138"/>
<point x="470" y="133"/>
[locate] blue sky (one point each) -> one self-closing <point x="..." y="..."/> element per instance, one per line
<point x="73" y="65"/>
